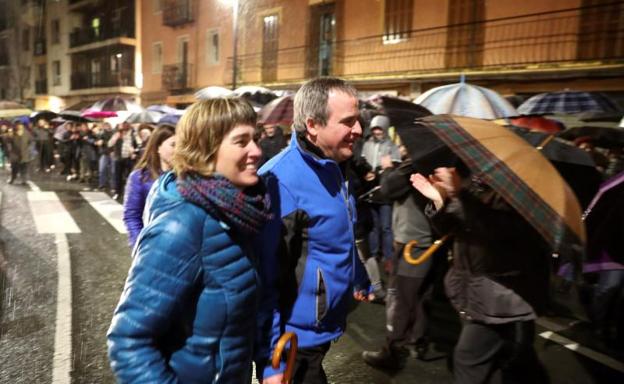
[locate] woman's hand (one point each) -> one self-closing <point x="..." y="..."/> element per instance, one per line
<point x="428" y="189"/>
<point x="446" y="179"/>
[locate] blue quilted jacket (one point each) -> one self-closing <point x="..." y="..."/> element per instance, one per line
<point x="187" y="312"/>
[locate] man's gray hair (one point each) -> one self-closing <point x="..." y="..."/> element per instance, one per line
<point x="311" y="100"/>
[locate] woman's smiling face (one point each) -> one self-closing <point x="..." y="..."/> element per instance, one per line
<point x="238" y="156"/>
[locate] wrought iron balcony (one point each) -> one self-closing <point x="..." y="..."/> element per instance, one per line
<point x="178" y="12"/>
<point x="552" y="39"/>
<point x="83" y="80"/>
<point x="41" y="87"/>
<point x="177" y="77"/>
<point x="40" y="48"/>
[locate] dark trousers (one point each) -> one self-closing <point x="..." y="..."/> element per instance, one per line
<point x="380" y="238"/>
<point x="21" y="169"/>
<point x="406" y="315"/>
<point x="122" y="168"/>
<point x="503" y="353"/>
<point x="309" y="365"/>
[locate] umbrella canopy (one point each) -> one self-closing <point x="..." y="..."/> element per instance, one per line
<point x="466" y="100"/>
<point x="147" y="117"/>
<point x="95" y="114"/>
<point x="9" y="109"/>
<point x="567" y="102"/>
<point x="213" y="92"/>
<point x="613" y="117"/>
<point x="538" y="123"/>
<point x="169" y="119"/>
<point x="576" y="166"/>
<point x="251" y="89"/>
<point x="43" y="115"/>
<point x="604" y="219"/>
<point x="165" y="109"/>
<point x="278" y="111"/>
<point x="116" y="104"/>
<point x="71" y="115"/>
<point x="516" y="171"/>
<point x="600" y="136"/>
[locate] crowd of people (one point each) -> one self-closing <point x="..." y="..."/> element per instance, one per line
<point x="237" y="240"/>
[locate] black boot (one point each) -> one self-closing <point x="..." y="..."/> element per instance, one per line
<point x="385" y="359"/>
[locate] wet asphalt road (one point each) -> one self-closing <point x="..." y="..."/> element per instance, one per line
<point x="100" y="261"/>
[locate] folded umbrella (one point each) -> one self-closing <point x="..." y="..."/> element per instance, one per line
<point x="519" y="173"/>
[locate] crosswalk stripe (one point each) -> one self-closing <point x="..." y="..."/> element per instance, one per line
<point x="110" y="209"/>
<point x="49" y="213"/>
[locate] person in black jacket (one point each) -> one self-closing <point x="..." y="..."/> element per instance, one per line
<point x="272" y="142"/>
<point x="498" y="281"/>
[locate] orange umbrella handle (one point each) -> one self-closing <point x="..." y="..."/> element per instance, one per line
<point x="407" y="251"/>
<point x="292" y="354"/>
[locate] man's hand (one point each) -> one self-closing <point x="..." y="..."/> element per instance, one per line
<point x="275" y="379"/>
<point x="370" y="176"/>
<point x="386" y="162"/>
<point x="360" y="295"/>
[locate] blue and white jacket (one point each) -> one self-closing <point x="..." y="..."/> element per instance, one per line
<point x="311" y="238"/>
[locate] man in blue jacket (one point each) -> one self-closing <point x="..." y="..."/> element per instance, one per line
<point x="314" y="216"/>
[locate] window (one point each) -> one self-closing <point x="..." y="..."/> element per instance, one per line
<point x="26" y="39"/>
<point x="397" y="20"/>
<point x="157" y="58"/>
<point x="212" y="47"/>
<point x="56" y="31"/>
<point x="56" y="72"/>
<point x="269" y="48"/>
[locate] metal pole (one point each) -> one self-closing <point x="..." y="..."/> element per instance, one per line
<point x="234" y="42"/>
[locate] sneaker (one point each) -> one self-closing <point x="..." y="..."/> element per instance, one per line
<point x="384" y="359"/>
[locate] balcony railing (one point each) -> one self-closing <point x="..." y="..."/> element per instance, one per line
<point x="41" y="87"/>
<point x="177" y="77"/>
<point x="546" y="39"/>
<point x="40" y="48"/>
<point x="178" y="12"/>
<point x="82" y="36"/>
<point x="82" y="80"/>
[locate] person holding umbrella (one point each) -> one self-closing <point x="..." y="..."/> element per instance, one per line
<point x="498" y="281"/>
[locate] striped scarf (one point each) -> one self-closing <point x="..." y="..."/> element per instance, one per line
<point x="246" y="210"/>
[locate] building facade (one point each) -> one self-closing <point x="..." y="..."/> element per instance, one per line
<point x="395" y="46"/>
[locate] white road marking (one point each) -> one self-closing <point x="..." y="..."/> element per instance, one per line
<point x="49" y="214"/>
<point x="62" y="361"/>
<point x="33" y="186"/>
<point x="110" y="209"/>
<point x="590" y="353"/>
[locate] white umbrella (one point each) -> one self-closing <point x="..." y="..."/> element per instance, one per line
<point x="213" y="92"/>
<point x="466" y="100"/>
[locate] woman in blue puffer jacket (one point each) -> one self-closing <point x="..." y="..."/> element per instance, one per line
<point x="155" y="160"/>
<point x="187" y="313"/>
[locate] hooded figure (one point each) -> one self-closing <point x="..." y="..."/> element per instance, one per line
<point x="379" y="144"/>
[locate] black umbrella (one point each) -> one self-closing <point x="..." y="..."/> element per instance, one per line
<point x="71" y="115"/>
<point x="576" y="166"/>
<point x="604" y="137"/>
<point x="45" y="115"/>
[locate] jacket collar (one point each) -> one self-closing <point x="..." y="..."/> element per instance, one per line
<point x="311" y="152"/>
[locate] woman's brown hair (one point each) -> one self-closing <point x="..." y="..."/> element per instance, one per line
<point x="201" y="130"/>
<point x="150" y="160"/>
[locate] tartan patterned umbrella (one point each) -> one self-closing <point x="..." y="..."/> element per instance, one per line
<point x="519" y="173"/>
<point x="278" y="111"/>
<point x="567" y="102"/>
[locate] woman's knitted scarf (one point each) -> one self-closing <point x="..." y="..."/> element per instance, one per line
<point x="246" y="210"/>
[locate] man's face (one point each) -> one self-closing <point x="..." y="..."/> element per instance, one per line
<point x="269" y="130"/>
<point x="337" y="137"/>
<point x="378" y="133"/>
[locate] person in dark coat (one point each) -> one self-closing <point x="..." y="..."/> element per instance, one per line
<point x="18" y="144"/>
<point x="272" y="142"/>
<point x="498" y="281"/>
